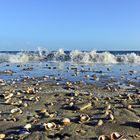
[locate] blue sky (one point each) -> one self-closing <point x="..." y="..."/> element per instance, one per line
<point x="70" y="24"/>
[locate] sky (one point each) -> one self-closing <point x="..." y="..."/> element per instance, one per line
<point x="70" y="24"/>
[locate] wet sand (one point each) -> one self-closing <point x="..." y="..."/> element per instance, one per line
<point x="106" y="111"/>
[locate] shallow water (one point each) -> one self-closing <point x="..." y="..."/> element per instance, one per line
<point x="61" y="72"/>
<point x="114" y="68"/>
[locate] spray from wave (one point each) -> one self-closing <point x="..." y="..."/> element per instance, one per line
<point x="92" y="57"/>
<point x="74" y="56"/>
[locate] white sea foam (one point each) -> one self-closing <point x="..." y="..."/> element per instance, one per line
<point x="74" y="56"/>
<point x="92" y="57"/>
<point x="3" y="57"/>
<point x="19" y="58"/>
<point x="129" y="58"/>
<point x="60" y="54"/>
<point x="42" y="51"/>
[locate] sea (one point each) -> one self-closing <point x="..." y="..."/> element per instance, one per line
<point x="116" y="68"/>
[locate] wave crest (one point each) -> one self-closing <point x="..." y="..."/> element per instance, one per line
<point x="74" y="56"/>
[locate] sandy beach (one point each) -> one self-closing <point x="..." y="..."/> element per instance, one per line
<point x="40" y="111"/>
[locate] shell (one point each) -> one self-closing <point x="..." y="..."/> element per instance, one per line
<point x="2" y="136"/>
<point x="66" y="121"/>
<point x="94" y="76"/>
<point x="71" y="104"/>
<point x="115" y="136"/>
<point x="103" y="137"/>
<point x="129" y="106"/>
<point x="68" y="83"/>
<point x="87" y="76"/>
<point x="31" y="98"/>
<point x="96" y="99"/>
<point x="106" y="103"/>
<point x="25" y="105"/>
<point x="129" y="97"/>
<point x="30" y="90"/>
<point x="18" y="93"/>
<point x="76" y="93"/>
<point x="8" y="101"/>
<point x="16" y="110"/>
<point x="17" y="103"/>
<point x="28" y="126"/>
<point x="51" y="115"/>
<point x="20" y="102"/>
<point x="46" y="114"/>
<point x="84" y="118"/>
<point x="13" y="119"/>
<point x="9" y="96"/>
<point x="107" y="112"/>
<point x="100" y="122"/>
<point x="110" y="117"/>
<point x="49" y="126"/>
<point x="108" y="107"/>
<point x="37" y="98"/>
<point x="43" y="110"/>
<point x="109" y="98"/>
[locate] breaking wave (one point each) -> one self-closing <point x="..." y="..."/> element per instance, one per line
<point x="17" y="58"/>
<point x="74" y="56"/>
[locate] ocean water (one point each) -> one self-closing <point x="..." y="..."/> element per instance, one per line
<point x="121" y="68"/>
